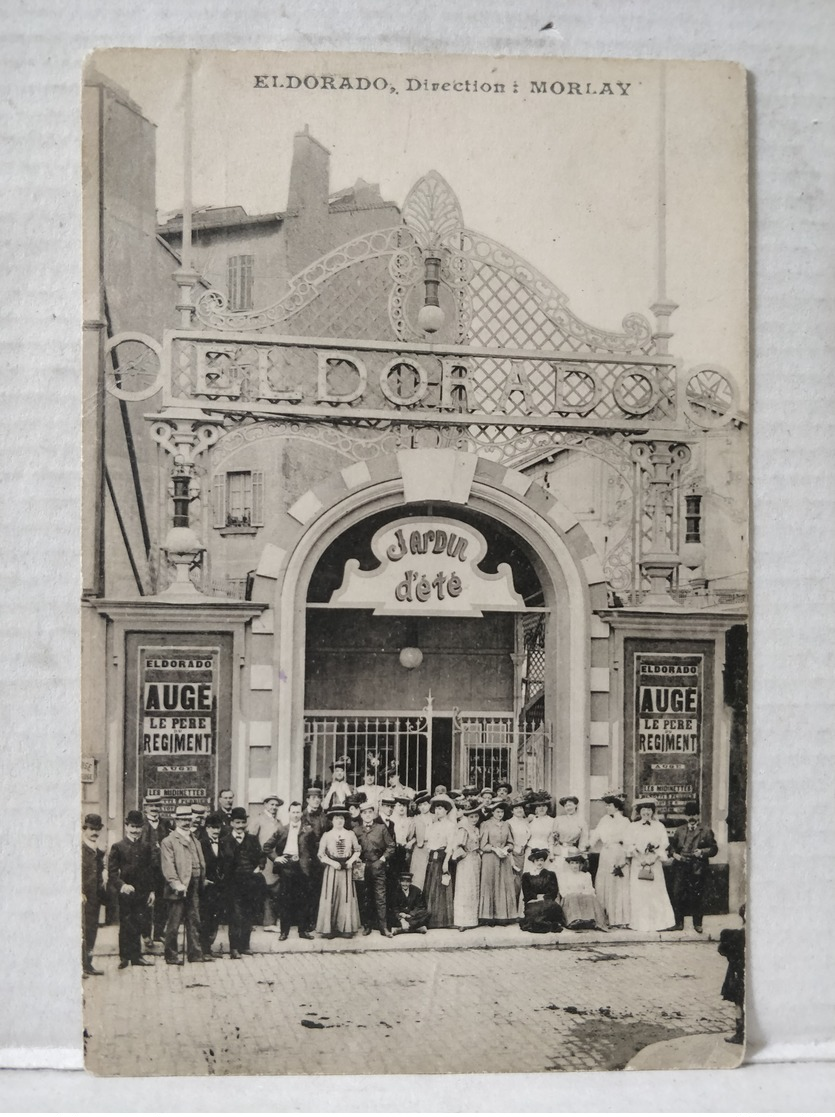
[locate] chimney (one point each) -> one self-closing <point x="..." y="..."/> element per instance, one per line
<point x="307" y="202"/>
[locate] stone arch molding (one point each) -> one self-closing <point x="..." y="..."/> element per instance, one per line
<point x="321" y="514"/>
<point x="431" y="475"/>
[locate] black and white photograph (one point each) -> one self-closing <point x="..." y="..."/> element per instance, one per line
<point x="415" y="563"/>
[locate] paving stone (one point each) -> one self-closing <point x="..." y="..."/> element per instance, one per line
<point x="535" y="1008"/>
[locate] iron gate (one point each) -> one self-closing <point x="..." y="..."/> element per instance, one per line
<point x="363" y="740"/>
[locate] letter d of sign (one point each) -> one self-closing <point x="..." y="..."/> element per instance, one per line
<point x="350" y="369"/>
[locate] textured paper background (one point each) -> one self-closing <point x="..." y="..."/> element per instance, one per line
<point x="788" y="50"/>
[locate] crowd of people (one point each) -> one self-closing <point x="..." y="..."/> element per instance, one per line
<point x="386" y="858"/>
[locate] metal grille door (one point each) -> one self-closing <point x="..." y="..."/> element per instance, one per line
<point x="487" y="749"/>
<point x="361" y="740"/>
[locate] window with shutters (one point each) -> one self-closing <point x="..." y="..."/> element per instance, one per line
<point x="239" y="282"/>
<point x="238" y="501"/>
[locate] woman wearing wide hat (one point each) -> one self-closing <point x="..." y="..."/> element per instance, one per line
<point x="581" y="907"/>
<point x="420" y="850"/>
<point x="467" y="858"/>
<point x="612" y="881"/>
<point x="497" y="900"/>
<point x="571" y="835"/>
<point x="541" y="823"/>
<point x="520" y="832"/>
<point x="647" y="845"/>
<point x="339" y="850"/>
<point x="440" y="841"/>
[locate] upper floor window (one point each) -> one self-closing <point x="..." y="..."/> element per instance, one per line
<point x="239" y="282"/>
<point x="239" y="499"/>
<point x="693" y="518"/>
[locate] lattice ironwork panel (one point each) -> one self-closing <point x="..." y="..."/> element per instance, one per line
<point x="506" y="315"/>
<point x="487" y="748"/>
<point x="353" y="303"/>
<point x="360" y="740"/>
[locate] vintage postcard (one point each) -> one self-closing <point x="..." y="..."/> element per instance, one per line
<point x="415" y="432"/>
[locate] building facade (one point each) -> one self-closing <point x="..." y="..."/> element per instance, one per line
<point x="363" y="486"/>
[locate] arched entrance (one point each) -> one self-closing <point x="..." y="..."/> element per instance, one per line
<point x="445" y="697"/>
<point x="549" y="540"/>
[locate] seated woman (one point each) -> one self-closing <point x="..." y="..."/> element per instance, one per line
<point x="583" y="911"/>
<point x="539" y="892"/>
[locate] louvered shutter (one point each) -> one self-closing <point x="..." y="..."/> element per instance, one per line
<point x="219" y="499"/>
<point x="257" y="499"/>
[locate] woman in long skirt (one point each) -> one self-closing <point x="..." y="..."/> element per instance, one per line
<point x="612" y="882"/>
<point x="581" y="907"/>
<point x="648" y="844"/>
<point x="467" y="858"/>
<point x="420" y="850"/>
<point x="497" y="901"/>
<point x="520" y="833"/>
<point x="339" y="850"/>
<point x="542" y="912"/>
<point x="440" y="841"/>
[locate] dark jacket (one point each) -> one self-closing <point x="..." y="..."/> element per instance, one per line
<point x="240" y="860"/>
<point x="543" y="883"/>
<point x="400" y="902"/>
<point x="702" y="841"/>
<point x="308" y="851"/>
<point x="375" y="843"/>
<point x="214" y="865"/>
<point x="152" y="836"/>
<point x="92" y="875"/>
<point x="130" y="863"/>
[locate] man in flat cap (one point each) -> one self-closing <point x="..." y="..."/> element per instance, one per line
<point x="130" y="877"/>
<point x="691" y="845"/>
<point x="154" y="829"/>
<point x="377" y="845"/>
<point x="263" y="826"/>
<point x="243" y="862"/>
<point x="184" y="871"/>
<point x="93" y="894"/>
<point x="409" y="910"/>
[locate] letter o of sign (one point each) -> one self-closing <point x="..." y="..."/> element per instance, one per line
<point x="411" y="367"/>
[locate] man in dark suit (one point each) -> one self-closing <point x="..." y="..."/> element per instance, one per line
<point x="690" y="847"/>
<point x="224" y="808"/>
<point x="290" y="854"/>
<point x="315" y="823"/>
<point x="92" y="889"/>
<point x="212" y="894"/>
<point x="409" y="909"/>
<point x="154" y="829"/>
<point x="243" y="861"/>
<point x="377" y="845"/>
<point x="130" y="877"/>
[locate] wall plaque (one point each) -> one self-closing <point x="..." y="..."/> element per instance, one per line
<point x="429" y="566"/>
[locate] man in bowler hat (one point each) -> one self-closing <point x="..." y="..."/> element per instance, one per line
<point x="184" y="871"/>
<point x="92" y="889"/>
<point x="691" y="845"/>
<point x="242" y="865"/>
<point x="130" y="877"/>
<point x="212" y="894"/>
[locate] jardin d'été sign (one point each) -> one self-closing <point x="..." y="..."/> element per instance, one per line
<point x="428" y="566"/>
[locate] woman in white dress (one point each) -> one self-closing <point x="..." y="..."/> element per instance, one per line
<point x="543" y="833"/>
<point x="612" y="882"/>
<point x="571" y="835"/>
<point x="650" y="907"/>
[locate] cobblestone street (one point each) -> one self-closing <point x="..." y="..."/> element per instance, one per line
<point x="532" y="1008"/>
